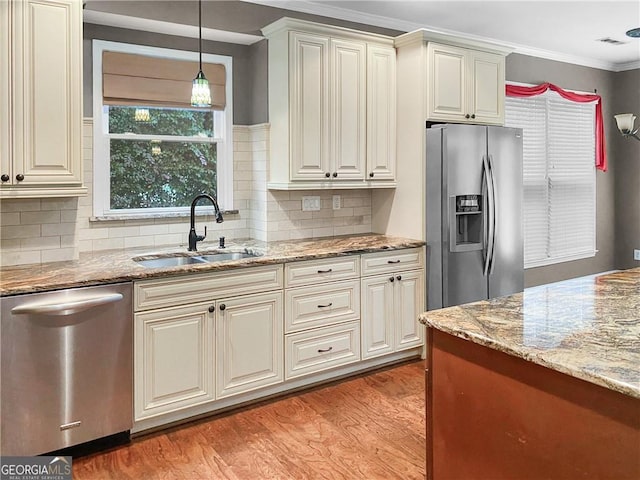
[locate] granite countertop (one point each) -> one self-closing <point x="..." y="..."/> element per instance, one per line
<point x="118" y="265"/>
<point x="587" y="327"/>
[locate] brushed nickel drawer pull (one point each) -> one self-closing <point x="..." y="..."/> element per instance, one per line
<point x="325" y="350"/>
<point x="326" y="271"/>
<point x="325" y="306"/>
<point x="393" y="261"/>
<point x="67" y="426"/>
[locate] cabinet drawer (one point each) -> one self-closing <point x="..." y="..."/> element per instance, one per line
<point x="394" y="261"/>
<point x="204" y="287"/>
<point x="322" y="349"/>
<point x="325" y="270"/>
<point x="322" y="305"/>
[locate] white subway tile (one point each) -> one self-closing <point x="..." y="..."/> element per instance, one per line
<point x="20" y="205"/>
<point x="10" y="218"/>
<point x="23" y="257"/>
<point x="108" y="244"/>
<point x="20" y="231"/>
<point x="124" y="232"/>
<point x="141" y="241"/>
<point x="59" y="255"/>
<point x="42" y="243"/>
<point x="323" y="232"/>
<point x="93" y="233"/>
<point x="58" y="229"/>
<point x="41" y="217"/>
<point x="154" y="229"/>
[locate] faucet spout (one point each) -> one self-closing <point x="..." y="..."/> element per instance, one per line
<point x="194" y="238"/>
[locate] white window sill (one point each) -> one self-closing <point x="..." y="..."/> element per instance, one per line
<point x="147" y="216"/>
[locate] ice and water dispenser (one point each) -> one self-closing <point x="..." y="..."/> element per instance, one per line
<point x="465" y="223"/>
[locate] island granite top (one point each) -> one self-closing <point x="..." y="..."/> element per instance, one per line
<point x="587" y="327"/>
<point x="114" y="266"/>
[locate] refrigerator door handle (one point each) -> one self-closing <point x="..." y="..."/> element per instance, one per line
<point x="486" y="216"/>
<point x="489" y="215"/>
<point x="493" y="212"/>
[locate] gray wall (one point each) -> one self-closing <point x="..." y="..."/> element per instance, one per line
<point x="522" y="68"/>
<point x="626" y="152"/>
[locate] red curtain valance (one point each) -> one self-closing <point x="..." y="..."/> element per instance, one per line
<point x="517" y="91"/>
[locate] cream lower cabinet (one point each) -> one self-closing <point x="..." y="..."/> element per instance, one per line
<point x="391" y="302"/>
<point x="174" y="359"/>
<point x="203" y="337"/>
<point x="249" y="343"/>
<point x="41" y="98"/>
<point x="322" y="315"/>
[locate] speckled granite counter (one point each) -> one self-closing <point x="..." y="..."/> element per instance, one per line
<point x="117" y="266"/>
<point x="587" y="327"/>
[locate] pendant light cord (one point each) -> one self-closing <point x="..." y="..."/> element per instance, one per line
<point x="200" y="30"/>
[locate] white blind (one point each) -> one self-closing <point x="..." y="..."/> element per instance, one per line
<point x="559" y="176"/>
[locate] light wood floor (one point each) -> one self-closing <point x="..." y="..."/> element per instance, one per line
<point x="370" y="427"/>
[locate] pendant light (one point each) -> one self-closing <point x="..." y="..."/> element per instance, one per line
<point x="200" y="93"/>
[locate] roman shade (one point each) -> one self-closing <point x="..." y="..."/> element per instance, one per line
<point x="140" y="80"/>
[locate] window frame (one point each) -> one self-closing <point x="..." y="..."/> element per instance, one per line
<point x="101" y="135"/>
<point x="552" y="260"/>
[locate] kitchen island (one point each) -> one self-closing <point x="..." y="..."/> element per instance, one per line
<point x="540" y="384"/>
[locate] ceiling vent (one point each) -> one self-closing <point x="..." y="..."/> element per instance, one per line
<point x="610" y="41"/>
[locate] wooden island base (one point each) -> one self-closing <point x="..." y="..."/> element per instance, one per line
<point x="493" y="416"/>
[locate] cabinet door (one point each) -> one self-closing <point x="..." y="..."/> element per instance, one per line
<point x="5" y="97"/>
<point x="47" y="86"/>
<point x="408" y="304"/>
<point x="487" y="87"/>
<point x="173" y="359"/>
<point x="309" y="84"/>
<point x="348" y="109"/>
<point x="447" y="83"/>
<point x="378" y="316"/>
<point x="381" y="113"/>
<point x="249" y="343"/>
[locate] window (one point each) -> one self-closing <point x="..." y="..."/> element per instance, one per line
<point x="559" y="177"/>
<point x="153" y="152"/>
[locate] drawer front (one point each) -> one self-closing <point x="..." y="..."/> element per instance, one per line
<point x="150" y="294"/>
<point x="394" y="261"/>
<point x="322" y="305"/>
<point x="328" y="269"/>
<point x="322" y="349"/>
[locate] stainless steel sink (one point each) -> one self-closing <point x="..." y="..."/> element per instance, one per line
<point x="221" y="257"/>
<point x="177" y="261"/>
<point x="169" y="261"/>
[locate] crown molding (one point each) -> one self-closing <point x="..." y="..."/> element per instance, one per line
<point x="166" y="28"/>
<point x="407" y="26"/>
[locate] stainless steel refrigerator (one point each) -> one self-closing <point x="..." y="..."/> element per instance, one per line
<point x="474" y="213"/>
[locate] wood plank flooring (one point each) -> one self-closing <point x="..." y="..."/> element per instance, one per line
<point x="368" y="427"/>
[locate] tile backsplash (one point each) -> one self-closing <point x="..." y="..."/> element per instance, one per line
<point x="53" y="229"/>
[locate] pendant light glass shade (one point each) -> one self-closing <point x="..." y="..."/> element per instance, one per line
<point x="200" y="92"/>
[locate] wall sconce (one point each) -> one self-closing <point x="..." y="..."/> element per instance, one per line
<point x="625" y="123"/>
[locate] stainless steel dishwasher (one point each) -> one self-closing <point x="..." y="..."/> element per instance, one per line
<point x="66" y="367"/>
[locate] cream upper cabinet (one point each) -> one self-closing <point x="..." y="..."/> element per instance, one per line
<point x="381" y="108"/>
<point x="331" y="107"/>
<point x="41" y="108"/>
<point x="464" y="85"/>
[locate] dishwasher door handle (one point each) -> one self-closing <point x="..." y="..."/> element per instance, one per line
<point x="68" y="307"/>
